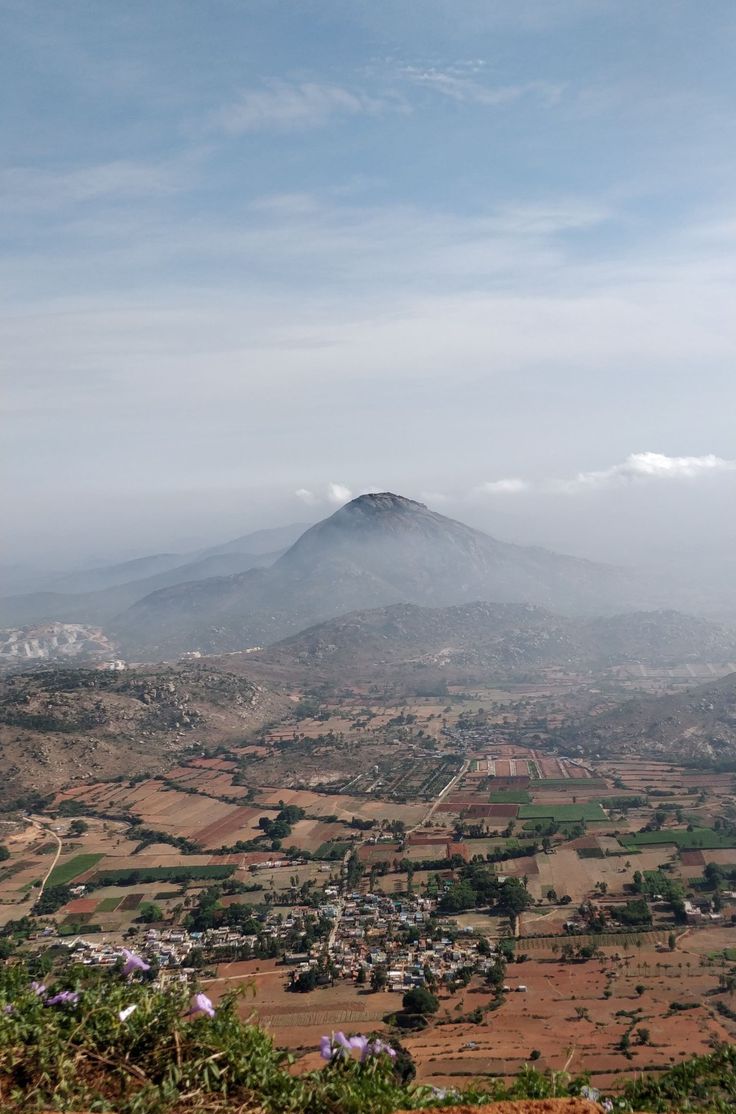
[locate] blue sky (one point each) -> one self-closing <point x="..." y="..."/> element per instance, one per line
<point x="472" y="250"/>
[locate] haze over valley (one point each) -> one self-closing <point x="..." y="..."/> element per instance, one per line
<point x="368" y="567"/>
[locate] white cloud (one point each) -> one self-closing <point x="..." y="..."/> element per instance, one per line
<point x="511" y="486"/>
<point x="457" y="86"/>
<point x="335" y="493"/>
<point x="338" y="494"/>
<point x="288" y="106"/>
<point x="636" y="468"/>
<point x="645" y="466"/>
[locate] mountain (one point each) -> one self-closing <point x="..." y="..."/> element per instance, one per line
<point x="378" y="550"/>
<point x="698" y="726"/>
<point x="93" y="596"/>
<point x="61" y="725"/>
<point x="503" y="638"/>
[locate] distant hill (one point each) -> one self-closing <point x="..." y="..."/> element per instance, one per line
<point x="504" y="638"/>
<point x="94" y="596"/>
<point x="61" y="725"/>
<point x="377" y="550"/>
<point x="695" y="726"/>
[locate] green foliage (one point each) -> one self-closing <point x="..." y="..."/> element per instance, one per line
<point x="4" y="853"/>
<point x="697" y="839"/>
<point x="588" y="811"/>
<point x="479" y="886"/>
<point x="160" y="874"/>
<point x="147" y="836"/>
<point x="150" y="913"/>
<point x="421" y="1001"/>
<point x="633" y="912"/>
<point x="704" y="1083"/>
<point x="81" y="1056"/>
<point x="68" y="871"/>
<point x="52" y="898"/>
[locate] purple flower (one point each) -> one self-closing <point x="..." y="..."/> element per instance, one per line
<point x="342" y="1040"/>
<point x="325" y="1048"/>
<point x="8" y="1009"/>
<point x="133" y="963"/>
<point x="363" y="1046"/>
<point x="63" y="998"/>
<point x="378" y="1047"/>
<point x="201" y="1004"/>
<point x="38" y="988"/>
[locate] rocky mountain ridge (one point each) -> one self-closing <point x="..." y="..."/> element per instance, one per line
<point x="502" y="638"/>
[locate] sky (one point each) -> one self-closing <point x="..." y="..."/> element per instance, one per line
<point x="260" y="256"/>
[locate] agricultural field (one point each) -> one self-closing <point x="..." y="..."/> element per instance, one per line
<point x="383" y="781"/>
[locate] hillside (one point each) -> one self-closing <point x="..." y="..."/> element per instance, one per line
<point x="376" y="551"/>
<point x="93" y="596"/>
<point x="60" y="725"/>
<point x="696" y="726"/>
<point x="500" y="638"/>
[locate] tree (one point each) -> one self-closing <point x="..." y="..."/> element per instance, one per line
<point x="150" y="912"/>
<point x="643" y="1035"/>
<point x="4" y="853"/>
<point x="420" y="1001"/>
<point x="513" y="898"/>
<point x="78" y="827"/>
<point x="379" y="977"/>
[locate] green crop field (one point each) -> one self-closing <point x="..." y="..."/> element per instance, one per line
<point x="332" y="850"/>
<point x="64" y="873"/>
<point x="559" y="813"/>
<point x="699" y="839"/>
<point x="108" y="905"/>
<point x="510" y="797"/>
<point x="135" y="876"/>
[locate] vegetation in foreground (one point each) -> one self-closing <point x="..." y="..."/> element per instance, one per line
<point x="112" y="1041"/>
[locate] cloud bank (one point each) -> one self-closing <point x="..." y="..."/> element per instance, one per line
<point x="636" y="468"/>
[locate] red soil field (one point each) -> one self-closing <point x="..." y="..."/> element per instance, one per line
<point x="692" y="858"/>
<point x="213" y="763"/>
<point x="239" y="821"/>
<point x="81" y="905"/>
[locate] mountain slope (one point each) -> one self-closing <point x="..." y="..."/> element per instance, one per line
<point x="59" y="725"/>
<point x="695" y="726"/>
<point x="499" y="637"/>
<point x="95" y="595"/>
<point x="377" y="550"/>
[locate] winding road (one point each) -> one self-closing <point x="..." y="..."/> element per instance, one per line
<point x="57" y="856"/>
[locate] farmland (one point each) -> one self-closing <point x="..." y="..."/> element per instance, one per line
<point x="382" y="797"/>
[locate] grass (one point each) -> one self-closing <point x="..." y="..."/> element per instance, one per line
<point x="108" y="905"/>
<point x="66" y="872"/>
<point x="560" y="813"/>
<point x="79" y="1055"/>
<point x="332" y="850"/>
<point x="697" y="840"/>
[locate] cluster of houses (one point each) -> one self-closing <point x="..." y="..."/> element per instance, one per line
<point x="370" y="933"/>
